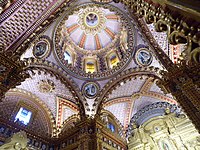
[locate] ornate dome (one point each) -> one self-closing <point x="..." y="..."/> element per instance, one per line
<point x="94" y="41"/>
<point x="83" y="74"/>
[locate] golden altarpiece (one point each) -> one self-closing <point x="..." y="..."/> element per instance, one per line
<point x="99" y="75"/>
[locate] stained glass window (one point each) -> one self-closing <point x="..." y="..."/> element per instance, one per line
<point x="23" y="116"/>
<point x="67" y="57"/>
<point x="113" y="60"/>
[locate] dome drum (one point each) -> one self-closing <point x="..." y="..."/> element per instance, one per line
<point x="94" y="41"/>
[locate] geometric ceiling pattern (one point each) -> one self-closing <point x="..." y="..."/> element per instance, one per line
<point x="65" y="110"/>
<point x="43" y="122"/>
<point x="93" y="41"/>
<point x="173" y="51"/>
<point x="101" y="38"/>
<point x="160" y="37"/>
<point x="128" y="98"/>
<point x="106" y="26"/>
<point x="52" y="92"/>
<point x="127" y="89"/>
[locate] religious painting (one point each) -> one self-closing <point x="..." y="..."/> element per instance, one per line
<point x="90" y="89"/>
<point x="92" y="19"/>
<point x="41" y="48"/>
<point x="144" y="57"/>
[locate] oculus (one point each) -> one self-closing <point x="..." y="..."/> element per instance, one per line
<point x="90" y="89"/>
<point x="144" y="57"/>
<point x="92" y="20"/>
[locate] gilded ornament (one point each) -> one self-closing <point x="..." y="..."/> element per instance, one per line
<point x="92" y="20"/>
<point x="46" y="86"/>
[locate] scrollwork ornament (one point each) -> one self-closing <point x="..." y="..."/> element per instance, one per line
<point x="161" y="26"/>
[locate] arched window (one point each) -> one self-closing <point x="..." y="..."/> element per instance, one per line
<point x="68" y="57"/>
<point x="112" y="59"/>
<point x="90" y="65"/>
<point x="23" y="116"/>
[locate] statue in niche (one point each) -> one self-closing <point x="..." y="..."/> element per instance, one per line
<point x="124" y="39"/>
<point x="195" y="55"/>
<point x="197" y="143"/>
<point x="165" y="146"/>
<point x="104" y="119"/>
<point x="2" y="69"/>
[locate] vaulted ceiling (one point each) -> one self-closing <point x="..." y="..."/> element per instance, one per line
<point x="58" y="41"/>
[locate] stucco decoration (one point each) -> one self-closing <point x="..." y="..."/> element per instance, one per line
<point x="94" y="41"/>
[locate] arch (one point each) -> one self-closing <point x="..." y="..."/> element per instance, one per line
<point x="54" y="70"/>
<point x="61" y="103"/>
<point x="114" y="120"/>
<point x="165" y="21"/>
<point x="41" y="105"/>
<point x="69" y="123"/>
<point x="147" y="112"/>
<point x="123" y="77"/>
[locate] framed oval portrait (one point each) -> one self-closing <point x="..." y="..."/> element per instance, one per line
<point x="42" y="47"/>
<point x="144" y="57"/>
<point x="90" y="89"/>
